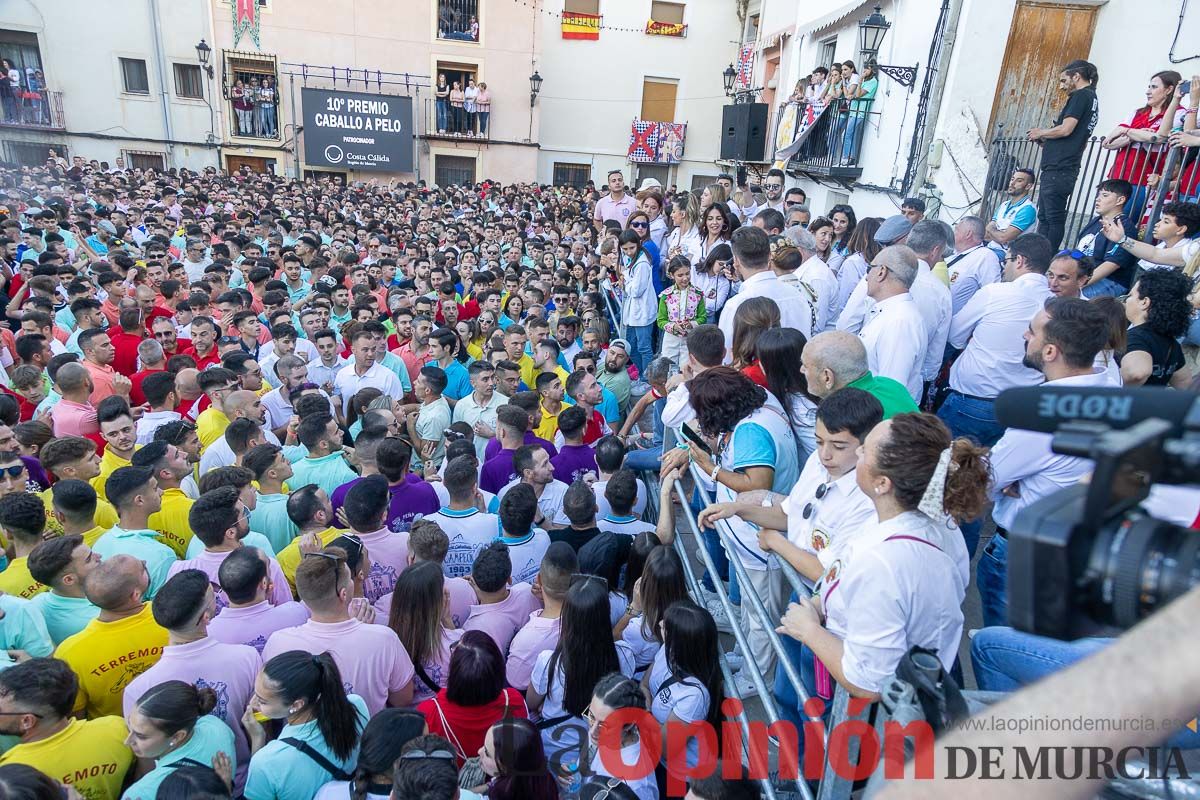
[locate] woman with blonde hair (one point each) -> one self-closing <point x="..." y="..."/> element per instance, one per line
<point x="685" y="236"/>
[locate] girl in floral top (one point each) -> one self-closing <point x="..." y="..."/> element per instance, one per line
<point x="680" y="308"/>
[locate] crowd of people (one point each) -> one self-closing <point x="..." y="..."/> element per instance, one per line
<point x="314" y="490"/>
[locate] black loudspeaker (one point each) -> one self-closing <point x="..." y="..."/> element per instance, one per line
<point x="744" y="132"/>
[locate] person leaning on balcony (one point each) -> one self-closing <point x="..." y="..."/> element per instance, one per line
<point x="1139" y="141"/>
<point x="483" y="107"/>
<point x="1062" y="147"/>
<point x="861" y="96"/>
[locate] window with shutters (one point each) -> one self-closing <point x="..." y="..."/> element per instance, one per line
<point x="667" y="12"/>
<point x="576" y="175"/>
<point x="146" y="160"/>
<point x="581" y="6"/>
<point x="187" y="81"/>
<point x="658" y="100"/>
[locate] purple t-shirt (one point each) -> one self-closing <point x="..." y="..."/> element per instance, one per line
<point x="573" y="462"/>
<point x="493" y="447"/>
<point x="411" y="500"/>
<point x="497" y="472"/>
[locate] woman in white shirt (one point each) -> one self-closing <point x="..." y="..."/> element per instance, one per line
<point x="382" y="740"/>
<point x="716" y="227"/>
<point x="651" y="203"/>
<point x="684" y="238"/>
<point x="907" y="577"/>
<point x="639" y="309"/>
<point x="711" y="277"/>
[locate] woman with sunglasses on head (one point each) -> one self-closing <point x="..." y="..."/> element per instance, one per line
<point x="420" y="616"/>
<point x="685" y="236"/>
<point x="639" y="223"/>
<point x="513" y="760"/>
<point x="319" y="740"/>
<point x="844" y="223"/>
<point x="561" y="685"/>
<point x="684" y="683"/>
<point x="385" y="736"/>
<point x="615" y="692"/>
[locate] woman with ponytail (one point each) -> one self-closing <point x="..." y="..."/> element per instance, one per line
<point x="613" y="693"/>
<point x="385" y="736"/>
<point x="904" y="583"/>
<point x="172" y="724"/>
<point x="319" y="740"/>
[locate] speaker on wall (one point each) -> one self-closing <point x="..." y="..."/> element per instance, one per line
<point x="744" y="132"/>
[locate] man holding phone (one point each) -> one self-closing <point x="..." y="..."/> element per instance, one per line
<point x="1115" y="266"/>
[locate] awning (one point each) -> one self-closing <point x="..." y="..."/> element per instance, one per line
<point x="833" y="17"/>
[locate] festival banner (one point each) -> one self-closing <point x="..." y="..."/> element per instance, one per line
<point x="655" y="28"/>
<point x="656" y="142"/>
<point x="580" y="26"/>
<point x="745" y="65"/>
<point x="245" y="19"/>
<point x="670" y="142"/>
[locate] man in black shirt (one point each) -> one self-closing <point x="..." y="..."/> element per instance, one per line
<point x="1062" y="147"/>
<point x="579" y="506"/>
<point x="1115" y="266"/>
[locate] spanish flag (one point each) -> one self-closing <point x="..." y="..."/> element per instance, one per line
<point x="580" y="26"/>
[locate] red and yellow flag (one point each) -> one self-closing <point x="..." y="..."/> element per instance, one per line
<point x="656" y="28"/>
<point x="580" y="26"/>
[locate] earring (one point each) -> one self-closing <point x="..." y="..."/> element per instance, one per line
<point x="878" y="490"/>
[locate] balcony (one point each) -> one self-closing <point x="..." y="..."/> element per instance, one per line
<point x="460" y="127"/>
<point x="827" y="141"/>
<point x="458" y="20"/>
<point x="43" y="112"/>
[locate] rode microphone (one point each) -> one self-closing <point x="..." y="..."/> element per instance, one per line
<point x="1047" y="408"/>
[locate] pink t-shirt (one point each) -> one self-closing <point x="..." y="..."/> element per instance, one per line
<point x="253" y="625"/>
<point x="73" y="419"/>
<point x="437" y="669"/>
<point x="536" y="635"/>
<point x="227" y="669"/>
<point x="462" y="597"/>
<point x="501" y="620"/>
<point x="209" y="562"/>
<point x="102" y="380"/>
<point x="607" y="208"/>
<point x="389" y="557"/>
<point x="372" y="660"/>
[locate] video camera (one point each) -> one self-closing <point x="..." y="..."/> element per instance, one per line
<point x="1088" y="559"/>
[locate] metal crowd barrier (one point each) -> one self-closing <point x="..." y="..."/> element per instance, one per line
<point x="613" y="314"/>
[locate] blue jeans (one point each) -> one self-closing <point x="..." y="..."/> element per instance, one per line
<point x="641" y="342"/>
<point x="443" y="112"/>
<point x="851" y="138"/>
<point x="976" y="420"/>
<point x="483" y="121"/>
<point x="651" y="457"/>
<point x="790" y="707"/>
<point x="990" y="575"/>
<point x="1006" y="660"/>
<point x="712" y="543"/>
<point x="1104" y="288"/>
<point x="1192" y="336"/>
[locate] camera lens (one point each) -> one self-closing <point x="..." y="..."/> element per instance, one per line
<point x="1138" y="565"/>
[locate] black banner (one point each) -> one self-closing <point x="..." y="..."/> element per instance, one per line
<point x="355" y="130"/>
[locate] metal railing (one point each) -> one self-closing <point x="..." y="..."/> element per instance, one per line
<point x="458" y="20"/>
<point x="448" y="122"/>
<point x="833" y="144"/>
<point x="43" y="111"/>
<point x="1142" y="164"/>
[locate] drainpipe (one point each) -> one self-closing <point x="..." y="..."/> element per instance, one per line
<point x="161" y="63"/>
<point x="950" y="34"/>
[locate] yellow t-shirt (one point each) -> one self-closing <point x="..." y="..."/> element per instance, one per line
<point x="172" y="521"/>
<point x="549" y="424"/>
<point x="105" y="517"/>
<point x="210" y="426"/>
<point x="92" y="536"/>
<point x="109" y="463"/>
<point x="108" y="655"/>
<point x="90" y="755"/>
<point x="16" y="580"/>
<point x="289" y="558"/>
<point x="529" y="373"/>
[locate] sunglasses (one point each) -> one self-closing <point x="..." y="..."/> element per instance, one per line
<point x="639" y="225"/>
<point x="811" y="508"/>
<point x="437" y="755"/>
<point x="1075" y="254"/>
<point x="581" y="578"/>
<point x="13" y="471"/>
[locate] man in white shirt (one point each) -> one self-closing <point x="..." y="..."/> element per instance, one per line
<point x="532" y="463"/>
<point x="813" y="274"/>
<point x="894" y="333"/>
<point x="973" y="264"/>
<point x="773" y="189"/>
<point x="363" y="372"/>
<point x="752" y="257"/>
<point x="929" y="241"/>
<point x="1061" y="343"/>
<point x="989" y="330"/>
<point x="291" y="373"/>
<point x="478" y="409"/>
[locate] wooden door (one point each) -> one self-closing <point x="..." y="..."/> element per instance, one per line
<point x="234" y="163"/>
<point x="1044" y="37"/>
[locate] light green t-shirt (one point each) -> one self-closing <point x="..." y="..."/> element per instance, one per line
<point x="210" y="736"/>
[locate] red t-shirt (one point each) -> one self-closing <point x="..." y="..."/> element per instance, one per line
<point x="594" y="429"/>
<point x="135" y="394"/>
<point x="755" y="373"/>
<point x="201" y="363"/>
<point x="126" y="345"/>
<point x="470" y="724"/>
<point x="1136" y="161"/>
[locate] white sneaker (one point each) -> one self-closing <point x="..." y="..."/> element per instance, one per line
<point x="735" y="660"/>
<point x="712" y="603"/>
<point x="743" y="686"/>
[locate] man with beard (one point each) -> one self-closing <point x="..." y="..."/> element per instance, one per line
<point x="1061" y="343"/>
<point x="615" y="376"/>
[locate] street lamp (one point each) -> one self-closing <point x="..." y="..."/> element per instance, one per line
<point x="203" y="53"/>
<point x="535" y="86"/>
<point x="730" y="75"/>
<point x="870" y="36"/>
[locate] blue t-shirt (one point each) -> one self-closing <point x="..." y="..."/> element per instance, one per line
<point x="281" y="772"/>
<point x="22" y="627"/>
<point x="63" y="616"/>
<point x="458" y="383"/>
<point x="210" y="736"/>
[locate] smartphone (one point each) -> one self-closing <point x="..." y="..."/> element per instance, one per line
<point x="741" y="175"/>
<point x="692" y="436"/>
<point x="1185" y="87"/>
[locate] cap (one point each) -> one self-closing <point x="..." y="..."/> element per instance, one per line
<point x="893" y="229"/>
<point x="108" y="226"/>
<point x="327" y="280"/>
<point x="621" y="343"/>
<point x="649" y="183"/>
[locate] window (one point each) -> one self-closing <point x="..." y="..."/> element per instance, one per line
<point x="21" y="50"/>
<point x="660" y="173"/>
<point x="581" y="6"/>
<point x="188" y="81"/>
<point x="458" y="20"/>
<point x="576" y="175"/>
<point x="666" y="12"/>
<point x="828" y="52"/>
<point x="251" y="71"/>
<point x="751" y="29"/>
<point x="658" y="100"/>
<point x="458" y="170"/>
<point x="699" y="182"/>
<point x="145" y="160"/>
<point x="32" y="154"/>
<point x="134" y="77"/>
